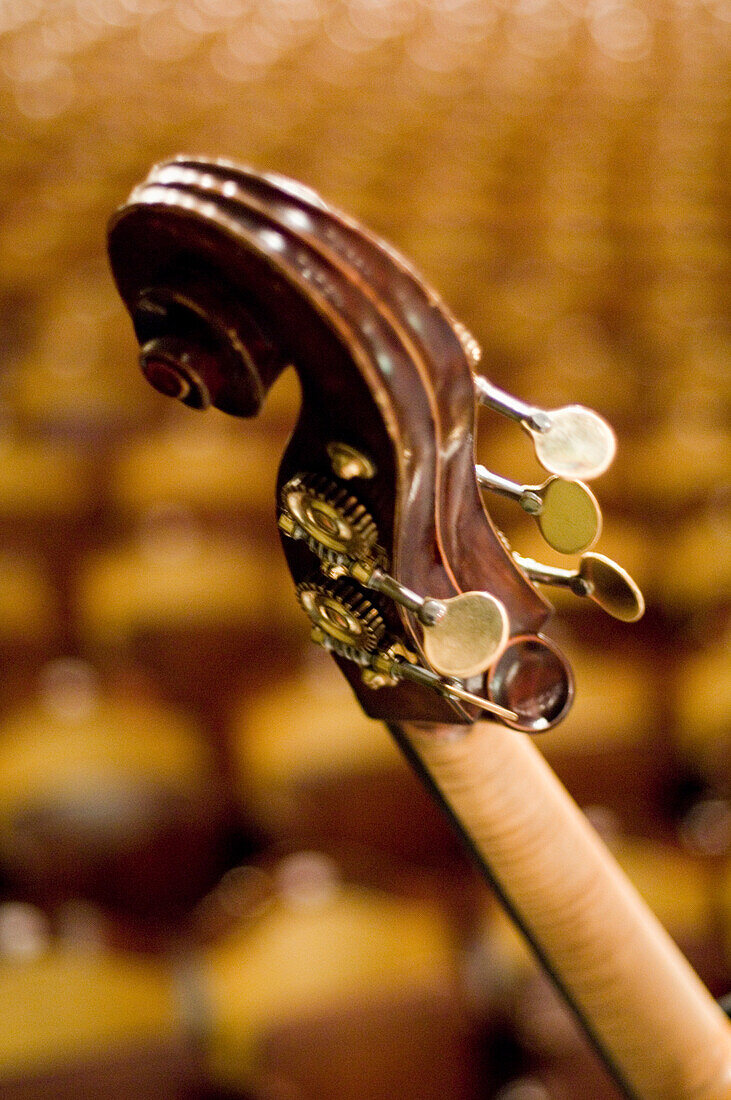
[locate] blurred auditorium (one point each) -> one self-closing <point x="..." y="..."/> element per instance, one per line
<point x="218" y="879"/>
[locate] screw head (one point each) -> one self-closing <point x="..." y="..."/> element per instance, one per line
<point x="176" y="368"/>
<point x="375" y="680"/>
<point x="348" y="463"/>
<point x="165" y="377"/>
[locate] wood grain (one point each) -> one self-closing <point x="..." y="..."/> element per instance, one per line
<point x="637" y="996"/>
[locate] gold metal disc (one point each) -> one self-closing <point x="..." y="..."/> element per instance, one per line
<point x="570" y="520"/>
<point x="578" y="445"/>
<point x="611" y="587"/>
<point x="468" y="637"/>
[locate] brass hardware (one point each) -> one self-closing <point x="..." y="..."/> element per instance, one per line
<point x="343" y="613"/>
<point x="598" y="578"/>
<point x="333" y="523"/>
<point x="611" y="587"/>
<point x="348" y="463"/>
<point x="566" y="512"/>
<point x="569" y="520"/>
<point x="398" y="669"/>
<point x="462" y="634"/>
<point x="577" y="444"/>
<point x="428" y="611"/>
<point x="377" y="680"/>
<point x="346" y="623"/>
<point x="468" y="637"/>
<point x="286" y="524"/>
<point x="386" y="669"/>
<point x="573" y="441"/>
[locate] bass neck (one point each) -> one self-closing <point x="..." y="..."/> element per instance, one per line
<point x="653" y="1023"/>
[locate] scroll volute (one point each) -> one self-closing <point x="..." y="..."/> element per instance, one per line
<point x="229" y="277"/>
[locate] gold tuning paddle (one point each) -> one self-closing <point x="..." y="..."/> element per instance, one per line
<point x="468" y="636"/>
<point x="573" y="441"/>
<point x="567" y="512"/>
<point x="463" y="634"/>
<point x="598" y="578"/>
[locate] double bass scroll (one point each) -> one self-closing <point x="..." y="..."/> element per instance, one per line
<point x="229" y="276"/>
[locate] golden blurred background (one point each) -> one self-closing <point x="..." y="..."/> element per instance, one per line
<point x="217" y="879"/>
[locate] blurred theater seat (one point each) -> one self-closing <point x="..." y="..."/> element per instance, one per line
<point x="557" y="169"/>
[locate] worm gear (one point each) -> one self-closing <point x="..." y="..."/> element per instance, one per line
<point x="333" y="523"/>
<point x="341" y="612"/>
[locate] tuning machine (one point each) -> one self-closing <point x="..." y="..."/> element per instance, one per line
<point x="395" y="668"/>
<point x="332" y="522"/>
<point x="343" y="614"/>
<point x="573" y="442"/>
<point x="566" y="512"/>
<point x="462" y="635"/>
<point x="346" y="623"/>
<point x="598" y="578"/>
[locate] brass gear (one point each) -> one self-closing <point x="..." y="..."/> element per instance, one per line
<point x="343" y="613"/>
<point x="335" y="524"/>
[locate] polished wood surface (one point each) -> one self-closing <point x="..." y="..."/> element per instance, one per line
<point x="559" y="171"/>
<point x="379" y="357"/>
<point x="637" y="996"/>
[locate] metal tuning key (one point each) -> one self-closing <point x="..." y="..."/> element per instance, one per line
<point x="598" y="578"/>
<point x="566" y="512"/>
<point x="346" y="623"/>
<point x="573" y="441"/>
<point x="462" y="634"/>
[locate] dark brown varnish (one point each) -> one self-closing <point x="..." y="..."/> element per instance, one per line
<point x="252" y="273"/>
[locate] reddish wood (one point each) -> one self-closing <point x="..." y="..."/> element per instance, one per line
<point x="252" y="273"/>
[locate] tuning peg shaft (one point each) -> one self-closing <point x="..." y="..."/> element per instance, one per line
<point x="598" y="578"/>
<point x="573" y="441"/>
<point x="428" y="611"/>
<point x="566" y="512"/>
<point x="403" y="670"/>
